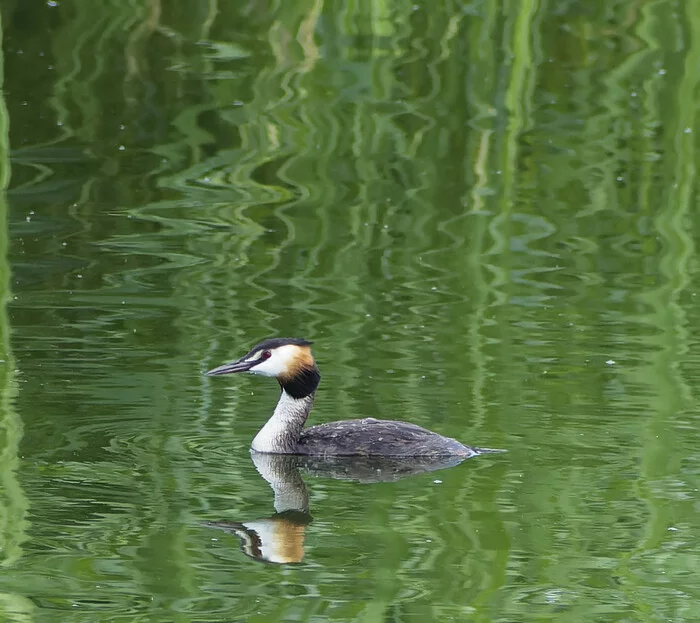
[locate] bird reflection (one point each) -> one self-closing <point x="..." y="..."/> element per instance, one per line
<point x="279" y="538"/>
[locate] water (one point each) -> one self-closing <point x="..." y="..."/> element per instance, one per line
<point x="483" y="214"/>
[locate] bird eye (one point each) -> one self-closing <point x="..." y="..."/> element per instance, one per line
<point x="266" y="354"/>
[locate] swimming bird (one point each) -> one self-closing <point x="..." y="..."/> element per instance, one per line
<point x="290" y="361"/>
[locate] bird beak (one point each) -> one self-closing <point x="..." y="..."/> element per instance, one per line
<point x="229" y="368"/>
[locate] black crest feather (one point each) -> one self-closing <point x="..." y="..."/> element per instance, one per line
<point x="276" y="342"/>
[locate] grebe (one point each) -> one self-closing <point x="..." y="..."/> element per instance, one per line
<point x="290" y="361"/>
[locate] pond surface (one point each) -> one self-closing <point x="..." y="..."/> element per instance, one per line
<point x="484" y="215"/>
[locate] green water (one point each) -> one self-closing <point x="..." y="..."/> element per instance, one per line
<point x="484" y="214"/>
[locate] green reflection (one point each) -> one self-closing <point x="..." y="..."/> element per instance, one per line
<point x="481" y="212"/>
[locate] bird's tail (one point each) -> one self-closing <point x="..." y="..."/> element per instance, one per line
<point x="489" y="450"/>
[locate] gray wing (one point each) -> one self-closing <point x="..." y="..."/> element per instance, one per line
<point x="370" y="437"/>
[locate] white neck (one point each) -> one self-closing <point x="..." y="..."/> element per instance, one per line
<point x="282" y="431"/>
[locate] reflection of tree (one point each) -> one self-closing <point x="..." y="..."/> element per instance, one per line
<point x="451" y="183"/>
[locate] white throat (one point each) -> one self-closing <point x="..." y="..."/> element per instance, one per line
<point x="281" y="432"/>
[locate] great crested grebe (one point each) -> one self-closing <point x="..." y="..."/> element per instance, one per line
<point x="290" y="361"/>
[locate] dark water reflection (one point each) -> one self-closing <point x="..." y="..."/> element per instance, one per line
<point x="483" y="215"/>
<point x="279" y="538"/>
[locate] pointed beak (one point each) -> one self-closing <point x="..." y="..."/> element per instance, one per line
<point x="230" y="368"/>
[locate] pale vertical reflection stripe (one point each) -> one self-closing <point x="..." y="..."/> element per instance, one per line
<point x="13" y="501"/>
<point x="138" y="37"/>
<point x="661" y="466"/>
<point x="518" y="104"/>
<point x="305" y="37"/>
<point x="478" y="220"/>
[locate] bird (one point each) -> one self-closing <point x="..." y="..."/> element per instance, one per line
<point x="291" y="362"/>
